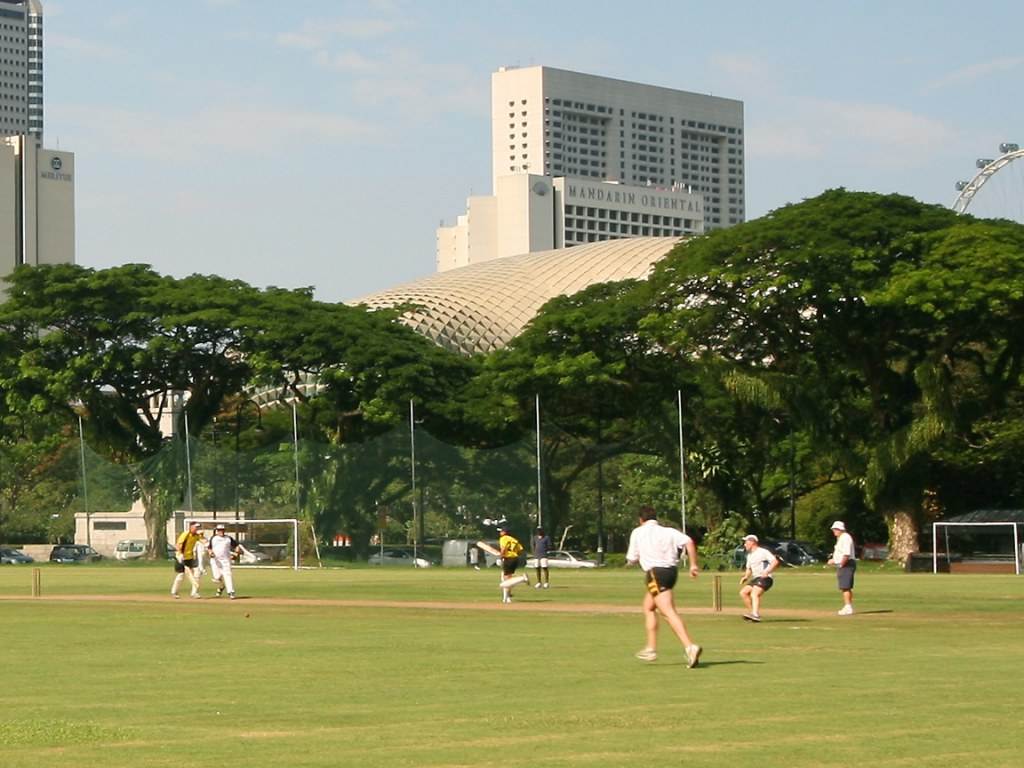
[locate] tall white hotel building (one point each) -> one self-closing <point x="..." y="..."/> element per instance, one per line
<point x="21" y="68"/>
<point x="577" y="158"/>
<point x="37" y="185"/>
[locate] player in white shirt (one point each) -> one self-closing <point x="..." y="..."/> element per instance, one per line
<point x="657" y="550"/>
<point x="846" y="565"/>
<point x="757" y="579"/>
<point x="222" y="549"/>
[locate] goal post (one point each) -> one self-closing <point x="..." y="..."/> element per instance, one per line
<point x="269" y="542"/>
<point x="945" y="530"/>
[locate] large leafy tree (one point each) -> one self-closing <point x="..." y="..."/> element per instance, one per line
<point x="115" y="346"/>
<point x="820" y="312"/>
<point x="352" y="374"/>
<point x="603" y="391"/>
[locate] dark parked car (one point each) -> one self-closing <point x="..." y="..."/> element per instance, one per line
<point x="789" y="551"/>
<point x="14" y="556"/>
<point x="798" y="552"/>
<point x="74" y="553"/>
<point x="402" y="557"/>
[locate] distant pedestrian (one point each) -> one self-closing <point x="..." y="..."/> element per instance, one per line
<point x="657" y="549"/>
<point x="510" y="548"/>
<point x="757" y="578"/>
<point x="223" y="549"/>
<point x="541" y="546"/>
<point x="474" y="557"/>
<point x="186" y="562"/>
<point x="846" y="565"/>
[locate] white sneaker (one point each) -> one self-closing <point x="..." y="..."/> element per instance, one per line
<point x="231" y="595"/>
<point x="537" y="586"/>
<point x="647" y="654"/>
<point x="846" y="610"/>
<point x="693" y="656"/>
<point x="546" y="585"/>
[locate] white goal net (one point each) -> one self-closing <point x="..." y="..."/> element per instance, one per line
<point x="276" y="543"/>
<point x="976" y="546"/>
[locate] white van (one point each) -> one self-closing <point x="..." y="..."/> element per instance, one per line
<point x="130" y="549"/>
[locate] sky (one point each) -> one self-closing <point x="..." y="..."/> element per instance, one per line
<point x="320" y="143"/>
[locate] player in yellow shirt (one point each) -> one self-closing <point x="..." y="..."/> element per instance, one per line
<point x="510" y="549"/>
<point x="186" y="560"/>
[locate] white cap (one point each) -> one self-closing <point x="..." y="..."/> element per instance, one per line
<point x="750" y="537"/>
<point x="838" y="526"/>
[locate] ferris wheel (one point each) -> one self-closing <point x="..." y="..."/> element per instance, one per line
<point x="1004" y="196"/>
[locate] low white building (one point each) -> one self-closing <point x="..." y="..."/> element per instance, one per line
<point x="530" y="213"/>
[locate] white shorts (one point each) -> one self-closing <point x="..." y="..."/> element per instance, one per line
<point x="542" y="562"/>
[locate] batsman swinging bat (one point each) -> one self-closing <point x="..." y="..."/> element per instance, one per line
<point x="488" y="548"/>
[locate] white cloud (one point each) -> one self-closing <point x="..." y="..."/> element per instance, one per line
<point x="974" y="72"/>
<point x="346" y="61"/>
<point x="883" y="125"/>
<point x="865" y="134"/>
<point x="80" y="46"/>
<point x="244" y="130"/>
<point x="317" y="34"/>
<point x="783" y="139"/>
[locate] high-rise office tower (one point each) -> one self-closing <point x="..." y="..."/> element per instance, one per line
<point x="553" y="122"/>
<point x="21" y="68"/>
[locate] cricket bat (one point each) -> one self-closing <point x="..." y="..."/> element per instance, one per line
<point x="488" y="548"/>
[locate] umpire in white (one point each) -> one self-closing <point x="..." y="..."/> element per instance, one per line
<point x="222" y="549"/>
<point x="657" y="549"/>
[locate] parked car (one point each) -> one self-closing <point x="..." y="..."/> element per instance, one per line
<point x="130" y="549"/>
<point x="9" y="555"/>
<point x="74" y="553"/>
<point x="560" y="558"/>
<point x="398" y="557"/>
<point x="874" y="551"/>
<point x="798" y="552"/>
<point x="133" y="549"/>
<point x="789" y="551"/>
<point x="253" y="555"/>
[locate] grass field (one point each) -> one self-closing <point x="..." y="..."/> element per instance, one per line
<point x="106" y="670"/>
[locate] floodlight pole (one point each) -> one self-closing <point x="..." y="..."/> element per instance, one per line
<point x="540" y="514"/>
<point x="85" y="484"/>
<point x="412" y="451"/>
<point x="188" y="464"/>
<point x="295" y="441"/>
<point x="682" y="461"/>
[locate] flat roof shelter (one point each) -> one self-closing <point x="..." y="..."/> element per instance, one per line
<point x="1008" y="522"/>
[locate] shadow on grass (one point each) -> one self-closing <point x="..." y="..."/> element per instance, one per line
<point x="703" y="663"/>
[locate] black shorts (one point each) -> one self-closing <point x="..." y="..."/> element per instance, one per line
<point x="509" y="565"/>
<point x="179" y="567"/>
<point x="659" y="580"/>
<point x="844" y="575"/>
<point x="764" y="582"/>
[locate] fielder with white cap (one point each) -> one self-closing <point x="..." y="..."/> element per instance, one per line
<point x="845" y="563"/>
<point x="757" y="579"/>
<point x="222" y="549"/>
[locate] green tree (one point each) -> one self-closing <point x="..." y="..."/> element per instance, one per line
<point x="822" y="314"/>
<point x="117" y="346"/>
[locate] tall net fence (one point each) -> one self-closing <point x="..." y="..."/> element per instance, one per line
<point x="582" y="482"/>
<point x="400" y="488"/>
